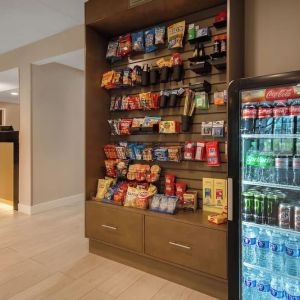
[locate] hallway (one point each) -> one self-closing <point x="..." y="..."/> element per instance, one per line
<point x="45" y="256"/>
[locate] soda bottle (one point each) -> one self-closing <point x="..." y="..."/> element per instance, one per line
<point x="294" y="111"/>
<point x="263" y="286"/>
<point x="277" y="250"/>
<point x="264" y="123"/>
<point x="277" y="288"/>
<point x="262" y="248"/>
<point x="249" y="284"/>
<point x="292" y="289"/>
<point x="281" y="116"/>
<point x="249" y="115"/>
<point x="281" y="169"/>
<point x="291" y="256"/>
<point x="296" y="170"/>
<point x="266" y="167"/>
<point x="249" y="241"/>
<point x="251" y="172"/>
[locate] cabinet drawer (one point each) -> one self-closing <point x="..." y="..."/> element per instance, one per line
<point x="113" y="226"/>
<point x="199" y="248"/>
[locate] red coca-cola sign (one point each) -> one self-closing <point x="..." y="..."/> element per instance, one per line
<point x="280" y="93"/>
<point x="249" y="113"/>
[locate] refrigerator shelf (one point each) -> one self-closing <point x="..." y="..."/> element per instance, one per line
<point x="258" y="268"/>
<point x="270" y="136"/>
<point x="272" y="185"/>
<point x="276" y="228"/>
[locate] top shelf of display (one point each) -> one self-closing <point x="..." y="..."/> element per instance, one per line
<point x="271" y="136"/>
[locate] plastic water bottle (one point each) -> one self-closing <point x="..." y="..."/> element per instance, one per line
<point x="251" y="171"/>
<point x="249" y="241"/>
<point x="277" y="250"/>
<point x="263" y="286"/>
<point x="292" y="289"/>
<point x="262" y="248"/>
<point x="277" y="288"/>
<point x="291" y="256"/>
<point x="249" y="285"/>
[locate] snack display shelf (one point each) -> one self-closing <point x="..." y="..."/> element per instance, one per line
<point x="276" y="228"/>
<point x="272" y="185"/>
<point x="270" y="136"/>
<point x="267" y="270"/>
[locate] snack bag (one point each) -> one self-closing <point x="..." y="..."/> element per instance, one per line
<point x="108" y="79"/>
<point x="213" y="153"/>
<point x="124" y="126"/>
<point x="201" y="100"/>
<point x="200" y="151"/>
<point x="190" y="200"/>
<point x="148" y="154"/>
<point x="163" y="206"/>
<point x="121" y="152"/>
<point x="219" y="98"/>
<point x="206" y="128"/>
<point x="112" y="51"/>
<point x="124" y="45"/>
<point x="137" y="39"/>
<point x="180" y="190"/>
<point x="121" y="168"/>
<point x="189" y="151"/>
<point x="171" y="206"/>
<point x="142" y="201"/>
<point x="108" y="197"/>
<point x="149" y="40"/>
<point x="120" y="193"/>
<point x="218" y="129"/>
<point x="208" y="190"/>
<point x="217" y="219"/>
<point x="155" y="202"/>
<point x="176" y="35"/>
<point x="110" y="166"/>
<point x="174" y="153"/>
<point x="161" y="154"/>
<point x="127" y="82"/>
<point x="136" y="75"/>
<point x="160" y="32"/>
<point x="103" y="185"/>
<point x="110" y="151"/>
<point x="131" y="197"/>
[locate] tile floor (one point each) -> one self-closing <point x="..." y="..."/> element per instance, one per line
<point x="45" y="256"/>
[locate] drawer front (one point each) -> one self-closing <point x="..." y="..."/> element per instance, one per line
<point x="113" y="226"/>
<point x="194" y="247"/>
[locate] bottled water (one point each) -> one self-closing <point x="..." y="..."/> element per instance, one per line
<point x="249" y="285"/>
<point x="277" y="288"/>
<point x="251" y="171"/>
<point x="292" y="289"/>
<point x="249" y="241"/>
<point x="262" y="248"/>
<point x="277" y="250"/>
<point x="263" y="286"/>
<point x="291" y="256"/>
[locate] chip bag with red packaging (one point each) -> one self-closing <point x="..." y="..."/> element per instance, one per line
<point x="213" y="153"/>
<point x="180" y="190"/>
<point x="120" y="193"/>
<point x="124" y="45"/>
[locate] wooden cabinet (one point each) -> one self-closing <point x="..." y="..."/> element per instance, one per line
<point x="190" y="246"/>
<point x="114" y="226"/>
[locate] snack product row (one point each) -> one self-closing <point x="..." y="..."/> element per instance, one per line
<point x="146" y="41"/>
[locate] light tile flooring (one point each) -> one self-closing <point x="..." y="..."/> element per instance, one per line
<point x="45" y="256"/>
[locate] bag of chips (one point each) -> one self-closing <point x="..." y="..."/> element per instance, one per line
<point x="149" y="40"/>
<point x="127" y="82"/>
<point x="160" y="32"/>
<point x="110" y="151"/>
<point x="176" y="35"/>
<point x="108" y="79"/>
<point x="189" y="151"/>
<point x="136" y="75"/>
<point x="112" y="51"/>
<point x="137" y="39"/>
<point x="200" y="151"/>
<point x="142" y="201"/>
<point x="124" y="126"/>
<point x="161" y="154"/>
<point x="110" y="166"/>
<point x="163" y="205"/>
<point x="147" y="154"/>
<point x="121" y="169"/>
<point x="120" y="193"/>
<point x="114" y="127"/>
<point x="213" y="153"/>
<point x="124" y="45"/>
<point x="121" y="152"/>
<point x="174" y="153"/>
<point x="155" y="202"/>
<point x="138" y="151"/>
<point x="145" y="100"/>
<point x="131" y="197"/>
<point x="171" y="206"/>
<point x="103" y="185"/>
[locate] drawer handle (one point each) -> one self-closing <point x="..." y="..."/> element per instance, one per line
<point x="180" y="245"/>
<point x="109" y="227"/>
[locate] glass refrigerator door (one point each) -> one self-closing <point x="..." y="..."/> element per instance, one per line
<point x="270" y="193"/>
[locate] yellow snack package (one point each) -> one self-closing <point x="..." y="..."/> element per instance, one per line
<point x="131" y="197"/>
<point x="103" y="185"/>
<point x="176" y="35"/>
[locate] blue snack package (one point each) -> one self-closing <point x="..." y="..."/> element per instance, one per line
<point x="171" y="207"/>
<point x="149" y="40"/>
<point x="137" y="39"/>
<point x="138" y="151"/>
<point x="131" y="151"/>
<point x="161" y="154"/>
<point x="155" y="202"/>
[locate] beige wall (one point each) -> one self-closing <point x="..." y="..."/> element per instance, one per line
<point x="12" y="114"/>
<point x="6" y="171"/>
<point x="271" y="36"/>
<point x="58" y="132"/>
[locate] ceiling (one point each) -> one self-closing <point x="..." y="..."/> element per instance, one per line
<point x="24" y="22"/>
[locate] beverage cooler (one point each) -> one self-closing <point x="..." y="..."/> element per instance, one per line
<point x="264" y="187"/>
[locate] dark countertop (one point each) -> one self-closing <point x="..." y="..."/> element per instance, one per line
<point x="9" y="136"/>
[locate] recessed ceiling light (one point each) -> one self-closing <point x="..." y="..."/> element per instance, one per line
<point x="14" y="93"/>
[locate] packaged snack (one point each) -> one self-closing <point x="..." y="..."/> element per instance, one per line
<point x="142" y="201"/>
<point x="110" y="166"/>
<point x="200" y="151"/>
<point x="169" y="178"/>
<point x="218" y="129"/>
<point x="121" y="169"/>
<point x="163" y="206"/>
<point x="180" y="189"/>
<point x="111" y="180"/>
<point x="164" y="63"/>
<point x="201" y="100"/>
<point x="152" y="189"/>
<point x="145" y="100"/>
<point x="208" y="191"/>
<point x="176" y="35"/>
<point x="172" y="202"/>
<point x="190" y="200"/>
<point x="136" y="75"/>
<point x="127" y="81"/>
<point x="213" y="153"/>
<point x="114" y="127"/>
<point x="155" y="169"/>
<point x="118" y="79"/>
<point x="142" y="185"/>
<point x="124" y="126"/>
<point x="170" y="189"/>
<point x="155" y="202"/>
<point x="154" y="100"/>
<point x="112" y="51"/>
<point x="124" y="45"/>
<point x="137" y="39"/>
<point x="147" y="154"/>
<point x="120" y="193"/>
<point x="161" y="154"/>
<point x="108" y="79"/>
<point x="174" y="153"/>
<point x="136" y="124"/>
<point x="138" y="151"/>
<point x="112" y="103"/>
<point x="191" y="32"/>
<point x="150" y="121"/>
<point x="116" y="102"/>
<point x="108" y="197"/>
<point x="189" y="151"/>
<point x="121" y="152"/>
<point x="141" y="172"/>
<point x="103" y="185"/>
<point x="110" y="151"/>
<point x="160" y="32"/>
<point x="217" y="219"/>
<point x="203" y="32"/>
<point x="131" y="197"/>
<point x="167" y="127"/>
<point x="176" y="59"/>
<point x="131" y="152"/>
<point x="219" y="98"/>
<point x="149" y="40"/>
<point x="133" y="103"/>
<point x="206" y="128"/>
<point x="220" y="192"/>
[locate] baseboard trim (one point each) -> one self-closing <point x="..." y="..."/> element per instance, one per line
<point x="38" y="208"/>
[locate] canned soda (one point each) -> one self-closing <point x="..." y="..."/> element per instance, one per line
<point x="297" y="217"/>
<point x="272" y="209"/>
<point x="259" y="208"/>
<point x="285" y="215"/>
<point x="247" y="206"/>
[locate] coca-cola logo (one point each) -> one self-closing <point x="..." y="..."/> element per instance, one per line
<point x="249" y="113"/>
<point x="295" y="110"/>
<point x="279" y="93"/>
<point x="265" y="112"/>
<point x="280" y="111"/>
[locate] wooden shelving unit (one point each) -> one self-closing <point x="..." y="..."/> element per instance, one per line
<point x="146" y="239"/>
